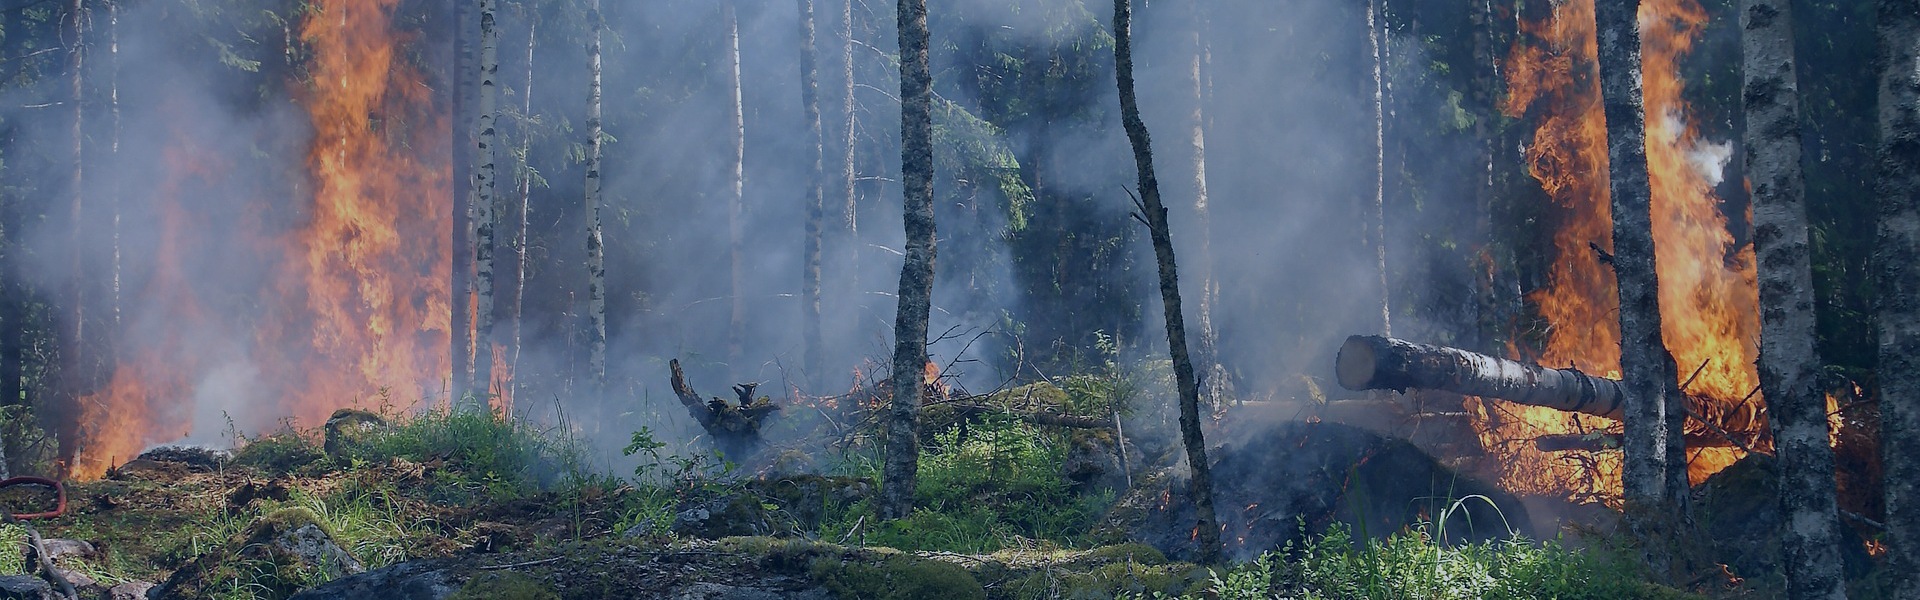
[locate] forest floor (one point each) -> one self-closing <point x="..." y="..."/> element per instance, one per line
<point x="470" y="505"/>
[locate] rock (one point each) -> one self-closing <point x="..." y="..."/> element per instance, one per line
<point x="25" y="587"/>
<point x="132" y="590"/>
<point x="277" y="551"/>
<point x="1287" y="475"/>
<point x="348" y="426"/>
<point x="737" y="514"/>
<point x="412" y="580"/>
<point x="59" y="548"/>
<point x="1093" y="462"/>
<point x="715" y="591"/>
<point x="194" y="458"/>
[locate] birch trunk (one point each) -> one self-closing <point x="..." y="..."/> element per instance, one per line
<point x="1654" y="409"/>
<point x="1789" y="365"/>
<point x="816" y="203"/>
<point x="1377" y="210"/>
<point x="484" y="197"/>
<point x="736" y="233"/>
<point x="1207" y="533"/>
<point x="1899" y="284"/>
<point x="596" y="245"/>
<point x="113" y="150"/>
<point x="1216" y="383"/>
<point x="461" y="286"/>
<point x="75" y="358"/>
<point x="524" y="204"/>
<point x="916" y="271"/>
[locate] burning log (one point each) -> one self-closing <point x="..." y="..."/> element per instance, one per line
<point x="1371" y="362"/>
<point x="736" y="429"/>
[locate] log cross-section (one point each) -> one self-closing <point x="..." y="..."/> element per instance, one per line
<point x="1371" y="362"/>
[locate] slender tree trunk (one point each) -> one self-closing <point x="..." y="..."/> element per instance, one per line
<point x="736" y="197"/>
<point x="1789" y="365"/>
<point x="524" y="205"/>
<point x="1377" y="211"/>
<point x="1898" y="270"/>
<point x="1216" y="384"/>
<point x="849" y="197"/>
<point x="1654" y="406"/>
<point x="916" y="272"/>
<point x="1206" y="531"/>
<point x="76" y="360"/>
<point x="596" y="245"/>
<point x="485" y="184"/>
<point x="461" y="286"/>
<point x="113" y="151"/>
<point x="816" y="202"/>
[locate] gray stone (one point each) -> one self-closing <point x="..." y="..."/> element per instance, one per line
<point x="411" y="580"/>
<point x="58" y="548"/>
<point x="25" y="587"/>
<point x="132" y="590"/>
<point x="313" y="546"/>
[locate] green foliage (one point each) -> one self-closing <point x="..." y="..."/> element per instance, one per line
<point x="992" y="485"/>
<point x="279" y="453"/>
<point x="487" y="454"/>
<point x="897" y="578"/>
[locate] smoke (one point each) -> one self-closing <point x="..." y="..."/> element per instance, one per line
<point x="1038" y="253"/>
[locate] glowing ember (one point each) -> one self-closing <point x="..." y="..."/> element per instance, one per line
<point x="1708" y="297"/>
<point x="360" y="305"/>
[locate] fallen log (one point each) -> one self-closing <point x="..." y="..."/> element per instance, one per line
<point x="1371" y="362"/>
<point x="1598" y="441"/>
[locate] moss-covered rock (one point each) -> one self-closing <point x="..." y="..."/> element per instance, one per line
<point x="504" y="586"/>
<point x="897" y="577"/>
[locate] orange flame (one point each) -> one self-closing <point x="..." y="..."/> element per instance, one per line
<point x="360" y="305"/>
<point x="1708" y="295"/>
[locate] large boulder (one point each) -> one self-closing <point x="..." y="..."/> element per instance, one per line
<point x="25" y="587"/>
<point x="277" y="552"/>
<point x="1292" y="478"/>
<point x="412" y="580"/>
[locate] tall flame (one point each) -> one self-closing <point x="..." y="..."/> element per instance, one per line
<point x="359" y="305"/>
<point x="1708" y="297"/>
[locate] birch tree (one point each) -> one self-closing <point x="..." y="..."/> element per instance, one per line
<point x="1377" y="209"/>
<point x="736" y="232"/>
<point x="524" y="204"/>
<point x="1217" y="384"/>
<point x="1207" y="532"/>
<point x="596" y="245"/>
<point x="1897" y="261"/>
<point x="484" y="196"/>
<point x="849" y="215"/>
<point x="816" y="201"/>
<point x="1789" y="364"/>
<point x="461" y="287"/>
<point x="916" y="270"/>
<point x="1654" y="411"/>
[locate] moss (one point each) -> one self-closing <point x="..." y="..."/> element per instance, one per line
<point x="1130" y="551"/>
<point x="897" y="577"/>
<point x="278" y="454"/>
<point x="1105" y="581"/>
<point x="504" y="586"/>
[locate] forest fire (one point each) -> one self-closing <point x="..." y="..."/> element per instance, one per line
<point x="359" y="304"/>
<point x="1708" y="295"/>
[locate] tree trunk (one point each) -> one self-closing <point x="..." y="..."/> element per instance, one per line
<point x="484" y="197"/>
<point x="849" y="196"/>
<point x="816" y="204"/>
<point x="736" y="196"/>
<point x="1789" y="366"/>
<point x="113" y="151"/>
<point x="1653" y="414"/>
<point x="1899" y="284"/>
<point x="596" y="244"/>
<point x="916" y="271"/>
<point x="1377" y="210"/>
<point x="1216" y="384"/>
<point x="75" y="360"/>
<point x="1207" y="532"/>
<point x="525" y="207"/>
<point x="1371" y="362"/>
<point x="461" y="286"/>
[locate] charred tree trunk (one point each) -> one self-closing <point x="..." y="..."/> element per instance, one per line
<point x="484" y="182"/>
<point x="916" y="272"/>
<point x="736" y="194"/>
<point x="1898" y="270"/>
<point x="596" y="244"/>
<point x="1371" y="362"/>
<point x="816" y="202"/>
<point x="1207" y="531"/>
<point x="461" y="286"/>
<point x="735" y="429"/>
<point x="1653" y="414"/>
<point x="1789" y="365"/>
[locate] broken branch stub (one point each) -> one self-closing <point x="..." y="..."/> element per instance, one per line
<point x="1371" y="362"/>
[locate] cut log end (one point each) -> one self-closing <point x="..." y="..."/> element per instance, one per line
<point x="1356" y="364"/>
